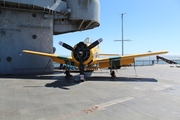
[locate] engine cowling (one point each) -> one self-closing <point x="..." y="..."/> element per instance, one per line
<point x="80" y="49"/>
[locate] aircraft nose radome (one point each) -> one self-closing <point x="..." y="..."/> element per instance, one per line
<point x="100" y="40"/>
<point x="60" y="43"/>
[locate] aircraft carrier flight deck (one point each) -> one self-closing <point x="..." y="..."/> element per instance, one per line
<point x="152" y="94"/>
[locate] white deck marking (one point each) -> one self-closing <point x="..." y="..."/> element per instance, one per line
<point x="163" y="87"/>
<point x="113" y="102"/>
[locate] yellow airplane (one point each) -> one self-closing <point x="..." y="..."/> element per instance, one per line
<point x="85" y="56"/>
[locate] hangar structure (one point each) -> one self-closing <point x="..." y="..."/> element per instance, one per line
<point x="31" y="24"/>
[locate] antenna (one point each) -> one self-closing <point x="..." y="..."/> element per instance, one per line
<point x="122" y="35"/>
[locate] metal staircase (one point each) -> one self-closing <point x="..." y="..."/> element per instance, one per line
<point x="165" y="60"/>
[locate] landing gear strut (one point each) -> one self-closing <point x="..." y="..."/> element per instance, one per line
<point x="81" y="68"/>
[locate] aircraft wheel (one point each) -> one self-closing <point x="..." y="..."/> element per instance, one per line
<point x="82" y="80"/>
<point x="68" y="75"/>
<point x="113" y="74"/>
<point x="81" y="77"/>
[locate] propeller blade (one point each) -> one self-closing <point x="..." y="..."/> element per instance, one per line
<point x="66" y="46"/>
<point x="94" y="44"/>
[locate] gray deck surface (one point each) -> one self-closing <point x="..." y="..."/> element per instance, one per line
<point x="154" y="94"/>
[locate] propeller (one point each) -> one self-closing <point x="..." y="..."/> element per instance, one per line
<point x="81" y="53"/>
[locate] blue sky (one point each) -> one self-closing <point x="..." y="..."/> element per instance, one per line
<point x="150" y="24"/>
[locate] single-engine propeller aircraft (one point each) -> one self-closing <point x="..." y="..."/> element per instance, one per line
<point x="86" y="56"/>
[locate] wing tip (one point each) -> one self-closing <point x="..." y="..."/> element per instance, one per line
<point x="25" y="51"/>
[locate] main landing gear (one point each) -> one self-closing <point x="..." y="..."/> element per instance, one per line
<point x="112" y="66"/>
<point x="112" y="73"/>
<point x="68" y="75"/>
<point x="67" y="72"/>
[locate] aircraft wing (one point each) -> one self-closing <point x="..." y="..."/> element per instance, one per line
<point x="55" y="58"/>
<point x="124" y="60"/>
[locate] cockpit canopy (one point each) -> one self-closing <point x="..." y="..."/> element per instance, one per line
<point x="88" y="40"/>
